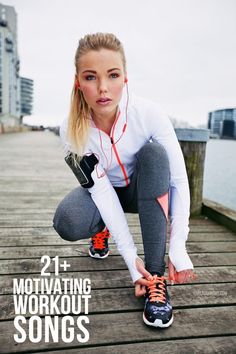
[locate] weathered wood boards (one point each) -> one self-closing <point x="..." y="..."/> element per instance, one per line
<point x="205" y="313"/>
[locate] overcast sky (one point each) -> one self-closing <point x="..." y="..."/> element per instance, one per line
<point x="180" y="53"/>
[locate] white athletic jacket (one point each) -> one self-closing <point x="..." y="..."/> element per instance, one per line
<point x="145" y="121"/>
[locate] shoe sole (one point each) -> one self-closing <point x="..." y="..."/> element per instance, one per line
<point x="96" y="255"/>
<point x="158" y="323"/>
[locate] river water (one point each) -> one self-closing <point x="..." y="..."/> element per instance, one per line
<point x="219" y="183"/>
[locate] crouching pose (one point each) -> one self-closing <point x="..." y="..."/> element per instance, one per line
<point x="124" y="152"/>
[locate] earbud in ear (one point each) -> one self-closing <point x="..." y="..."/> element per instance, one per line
<point x="77" y="85"/>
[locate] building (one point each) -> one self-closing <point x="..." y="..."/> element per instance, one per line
<point x="26" y="90"/>
<point x="222" y="123"/>
<point x="10" y="82"/>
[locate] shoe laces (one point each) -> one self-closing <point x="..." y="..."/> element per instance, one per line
<point x="157" y="293"/>
<point x="99" y="239"/>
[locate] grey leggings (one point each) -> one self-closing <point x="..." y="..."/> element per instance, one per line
<point x="77" y="216"/>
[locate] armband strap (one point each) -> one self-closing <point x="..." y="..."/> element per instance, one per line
<point x="82" y="168"/>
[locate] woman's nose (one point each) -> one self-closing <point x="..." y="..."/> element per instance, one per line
<point x="102" y="86"/>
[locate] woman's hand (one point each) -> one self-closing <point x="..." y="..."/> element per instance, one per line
<point x="184" y="276"/>
<point x="141" y="283"/>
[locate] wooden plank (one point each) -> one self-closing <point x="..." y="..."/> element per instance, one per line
<point x="17" y="266"/>
<point x="103" y="279"/>
<point x="49" y="213"/>
<point x="220" y="210"/>
<point x="195" y="322"/>
<point x="26" y="213"/>
<point x="182" y="296"/>
<point x="49" y="230"/>
<point x="57" y="240"/>
<point x="27" y="231"/>
<point x="210" y="345"/>
<point x="73" y="249"/>
<point x="33" y="181"/>
<point x="31" y="222"/>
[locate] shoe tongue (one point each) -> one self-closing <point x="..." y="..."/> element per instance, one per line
<point x="156" y="273"/>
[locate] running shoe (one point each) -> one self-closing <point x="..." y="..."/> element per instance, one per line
<point x="157" y="309"/>
<point x="99" y="244"/>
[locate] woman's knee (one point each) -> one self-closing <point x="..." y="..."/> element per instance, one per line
<point x="153" y="171"/>
<point x="64" y="224"/>
<point x="153" y="154"/>
<point x="77" y="217"/>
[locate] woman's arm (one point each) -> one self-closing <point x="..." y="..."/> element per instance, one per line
<point x="108" y="204"/>
<point x="161" y="130"/>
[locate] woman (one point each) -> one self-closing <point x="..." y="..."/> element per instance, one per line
<point x="125" y="154"/>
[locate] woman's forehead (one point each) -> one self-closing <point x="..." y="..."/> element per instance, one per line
<point x="102" y="58"/>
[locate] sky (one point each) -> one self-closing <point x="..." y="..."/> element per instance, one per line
<point x="180" y="53"/>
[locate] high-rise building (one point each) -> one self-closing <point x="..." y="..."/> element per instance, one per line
<point x="222" y="123"/>
<point x="10" y="82"/>
<point x="26" y="89"/>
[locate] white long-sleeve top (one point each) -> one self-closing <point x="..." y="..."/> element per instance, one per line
<point x="136" y="123"/>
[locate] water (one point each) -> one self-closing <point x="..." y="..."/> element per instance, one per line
<point x="220" y="172"/>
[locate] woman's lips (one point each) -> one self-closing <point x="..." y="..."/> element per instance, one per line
<point x="103" y="101"/>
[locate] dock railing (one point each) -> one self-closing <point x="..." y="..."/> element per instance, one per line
<point x="193" y="144"/>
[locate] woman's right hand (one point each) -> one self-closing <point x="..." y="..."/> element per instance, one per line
<point x="141" y="283"/>
<point x="184" y="276"/>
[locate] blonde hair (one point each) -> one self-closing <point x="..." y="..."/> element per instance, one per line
<point x="78" y="124"/>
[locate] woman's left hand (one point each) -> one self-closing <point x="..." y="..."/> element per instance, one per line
<point x="141" y="283"/>
<point x="184" y="276"/>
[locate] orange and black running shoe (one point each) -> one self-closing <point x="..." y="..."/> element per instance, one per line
<point x="157" y="309"/>
<point x="99" y="244"/>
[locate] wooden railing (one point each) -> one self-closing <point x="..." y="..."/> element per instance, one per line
<point x="193" y="144"/>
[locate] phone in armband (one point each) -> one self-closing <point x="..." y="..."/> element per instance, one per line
<point x="82" y="168"/>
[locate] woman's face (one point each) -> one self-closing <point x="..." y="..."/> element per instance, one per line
<point x="101" y="77"/>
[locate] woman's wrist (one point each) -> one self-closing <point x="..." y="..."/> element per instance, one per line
<point x="180" y="259"/>
<point x="131" y="264"/>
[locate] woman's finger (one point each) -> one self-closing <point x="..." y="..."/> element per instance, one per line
<point x="171" y="270"/>
<point x="141" y="268"/>
<point x="185" y="276"/>
<point x="137" y="289"/>
<point x="142" y="281"/>
<point x="140" y="290"/>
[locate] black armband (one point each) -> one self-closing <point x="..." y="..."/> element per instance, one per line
<point x="82" y="168"/>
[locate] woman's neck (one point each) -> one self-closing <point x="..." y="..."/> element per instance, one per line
<point x="104" y="122"/>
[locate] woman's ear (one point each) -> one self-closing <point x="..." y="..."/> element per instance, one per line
<point x="77" y="84"/>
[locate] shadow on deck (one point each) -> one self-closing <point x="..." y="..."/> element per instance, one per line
<point x="33" y="179"/>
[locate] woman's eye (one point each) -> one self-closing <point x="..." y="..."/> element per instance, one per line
<point x="114" y="75"/>
<point x="89" y="77"/>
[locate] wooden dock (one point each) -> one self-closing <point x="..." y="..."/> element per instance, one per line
<point x="33" y="180"/>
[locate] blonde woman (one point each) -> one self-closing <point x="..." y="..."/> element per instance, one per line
<point x="123" y="150"/>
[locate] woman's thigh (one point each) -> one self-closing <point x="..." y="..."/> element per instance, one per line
<point x="149" y="180"/>
<point x="128" y="195"/>
<point x="77" y="216"/>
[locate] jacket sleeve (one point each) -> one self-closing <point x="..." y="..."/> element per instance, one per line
<point x="162" y="131"/>
<point x="62" y="132"/>
<point x="108" y="204"/>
